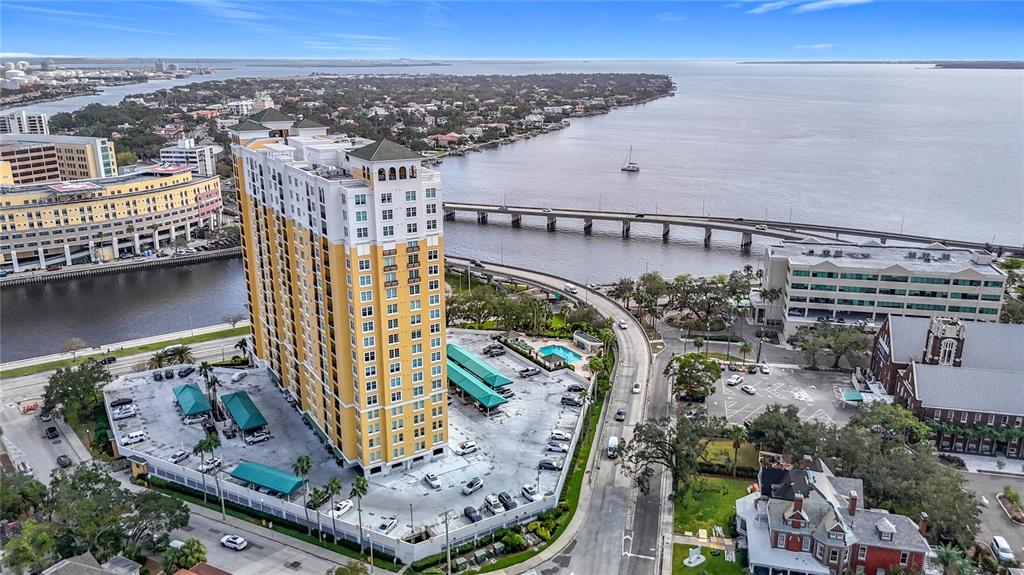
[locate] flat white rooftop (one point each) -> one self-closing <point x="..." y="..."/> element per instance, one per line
<point x="874" y="256"/>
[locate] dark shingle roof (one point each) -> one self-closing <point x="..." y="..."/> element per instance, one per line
<point x="307" y="123"/>
<point x="385" y="150"/>
<point x="270" y="115"/>
<point x="248" y="126"/>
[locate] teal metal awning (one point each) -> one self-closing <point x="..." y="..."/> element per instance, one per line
<point x="247" y="417"/>
<point x="852" y="395"/>
<point x="191" y="399"/>
<point x="474" y="365"/>
<point x="471" y="385"/>
<point x="268" y="477"/>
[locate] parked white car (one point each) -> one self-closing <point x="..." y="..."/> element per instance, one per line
<point x="560" y="435"/>
<point x="432" y="480"/>
<point x="236" y="542"/>
<point x="341" y="507"/>
<point x="530" y="493"/>
<point x="467" y="447"/>
<point x="210" y="465"/>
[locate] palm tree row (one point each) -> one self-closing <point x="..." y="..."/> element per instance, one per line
<point x="360" y="486"/>
<point x="208" y="444"/>
<point x="176" y="355"/>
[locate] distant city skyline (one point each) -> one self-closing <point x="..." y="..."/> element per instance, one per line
<point x="755" y="29"/>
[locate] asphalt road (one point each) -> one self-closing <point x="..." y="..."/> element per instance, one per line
<point x="615" y="538"/>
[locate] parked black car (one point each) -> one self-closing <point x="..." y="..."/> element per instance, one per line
<point x="576" y="387"/>
<point x="121" y="402"/>
<point x="50" y="433"/>
<point x="186" y="371"/>
<point x="168" y="374"/>
<point x="63" y="461"/>
<point x="472" y="513"/>
<point x="571" y="401"/>
<point x="507" y="500"/>
<point x="157" y="376"/>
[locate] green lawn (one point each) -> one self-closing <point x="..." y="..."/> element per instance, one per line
<point x="720" y="451"/>
<point x="713" y="565"/>
<point x="156" y="346"/>
<point x="711" y="503"/>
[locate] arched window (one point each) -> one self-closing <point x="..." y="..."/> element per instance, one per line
<point x="380" y="175"/>
<point x="401" y="173"/>
<point x="391" y="174"/>
<point x="412" y="171"/>
<point x="947" y="352"/>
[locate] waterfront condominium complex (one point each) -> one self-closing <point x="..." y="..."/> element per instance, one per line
<point x="867" y="282"/>
<point x="45" y="158"/>
<point x="105" y="218"/>
<point x="24" y="123"/>
<point x="345" y="274"/>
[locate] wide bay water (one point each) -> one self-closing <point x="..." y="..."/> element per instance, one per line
<point x="938" y="152"/>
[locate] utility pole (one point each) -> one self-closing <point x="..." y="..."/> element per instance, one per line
<point x="760" y="341"/>
<point x="220" y="493"/>
<point x="410" y="517"/>
<point x="447" y="546"/>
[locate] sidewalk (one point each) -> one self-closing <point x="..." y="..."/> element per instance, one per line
<point x="988" y="464"/>
<point x="167" y="337"/>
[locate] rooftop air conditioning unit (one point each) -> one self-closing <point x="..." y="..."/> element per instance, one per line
<point x="866" y="255"/>
<point x="945" y="256"/>
<point x="912" y="254"/>
<point x="826" y="253"/>
<point x="926" y="256"/>
<point x="838" y="253"/>
<point x="810" y="252"/>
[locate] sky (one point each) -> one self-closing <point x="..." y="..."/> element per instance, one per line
<point x="381" y="29"/>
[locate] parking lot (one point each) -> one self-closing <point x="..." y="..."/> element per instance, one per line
<point x="511" y="442"/>
<point x="813" y="392"/>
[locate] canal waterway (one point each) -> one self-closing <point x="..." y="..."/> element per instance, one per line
<point x="936" y="152"/>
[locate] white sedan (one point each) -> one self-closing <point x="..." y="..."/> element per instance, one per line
<point x="748" y="390"/>
<point x="636" y="387"/>
<point x="341" y="507"/>
<point x="622" y="324"/>
<point x="236" y="542"/>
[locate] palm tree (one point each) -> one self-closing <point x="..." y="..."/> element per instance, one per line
<point x="208" y="444"/>
<point x="333" y="487"/>
<point x="698" y="342"/>
<point x="744" y="349"/>
<point x="623" y="290"/>
<point x="157" y="360"/>
<point x="242" y="346"/>
<point x="949" y="555"/>
<point x="211" y="394"/>
<point x="738" y="435"/>
<point x="302" y="466"/>
<point x="205" y="369"/>
<point x="359" y="488"/>
<point x="181" y="354"/>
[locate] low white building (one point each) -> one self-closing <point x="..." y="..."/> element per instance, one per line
<point x="844" y="283"/>
<point x="200" y="159"/>
<point x="24" y="123"/>
<point x="241" y="107"/>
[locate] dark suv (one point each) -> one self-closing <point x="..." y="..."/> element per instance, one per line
<point x="186" y="371"/>
<point x="507" y="500"/>
<point x="571" y="401"/>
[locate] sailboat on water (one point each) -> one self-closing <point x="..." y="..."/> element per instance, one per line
<point x="630" y="165"/>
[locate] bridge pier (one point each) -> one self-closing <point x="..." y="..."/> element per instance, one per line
<point x="552" y="223"/>
<point x="588" y="226"/>
<point x="707" y="237"/>
<point x="665" y="228"/>
<point x="449" y="215"/>
<point x="625" y="229"/>
<point x="745" y="242"/>
<point x="481" y="217"/>
<point x="517" y="220"/>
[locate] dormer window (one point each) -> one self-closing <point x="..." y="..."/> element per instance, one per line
<point x="886" y="536"/>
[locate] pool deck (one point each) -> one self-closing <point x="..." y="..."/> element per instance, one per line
<point x="580" y="366"/>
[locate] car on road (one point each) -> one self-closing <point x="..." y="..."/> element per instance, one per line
<point x="530" y="492"/>
<point x="528" y="372"/>
<point x="210" y="465"/>
<point x="571" y="401"/>
<point x="546" y="210"/>
<point x="179" y="456"/>
<point x="341" y="507"/>
<point x="622" y="324"/>
<point x="472" y="513"/>
<point x="766" y="369"/>
<point x="760" y="227"/>
<point x="636" y="387"/>
<point x="186" y="371"/>
<point x="467" y="447"/>
<point x="620" y="414"/>
<point x="50" y="433"/>
<point x="1002" y="549"/>
<point x="556" y="447"/>
<point x="121" y="402"/>
<point x="560" y="435"/>
<point x="107" y="360"/>
<point x="549" y="465"/>
<point x="472" y="486"/>
<point x="236" y="542"/>
<point x="640" y="215"/>
<point x="749" y="390"/>
<point x="734" y="380"/>
<point x="432" y="480"/>
<point x="63" y="461"/>
<point x="476" y="263"/>
<point x="507" y="500"/>
<point x="576" y="387"/>
<point x="54" y="267"/>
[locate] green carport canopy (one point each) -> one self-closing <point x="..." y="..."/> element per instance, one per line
<point x="243" y="411"/>
<point x="474" y="365"/>
<point x="268" y="477"/>
<point x="191" y="400"/>
<point x="473" y="387"/>
<point x="852" y="395"/>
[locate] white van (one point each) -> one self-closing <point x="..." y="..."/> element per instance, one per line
<point x="613" y="447"/>
<point x="571" y="288"/>
<point x="133" y="437"/>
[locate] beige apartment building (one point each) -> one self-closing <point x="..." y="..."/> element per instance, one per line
<point x="343" y="249"/>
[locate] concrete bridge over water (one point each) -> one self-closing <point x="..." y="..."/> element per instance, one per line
<point x="791" y="231"/>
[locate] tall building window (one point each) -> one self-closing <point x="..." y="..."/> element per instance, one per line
<point x="389" y="231"/>
<point x="431" y="192"/>
<point x="947" y="352"/>
<point x="385" y="198"/>
<point x="362" y="233"/>
<point x="360" y="199"/>
<point x="410" y="196"/>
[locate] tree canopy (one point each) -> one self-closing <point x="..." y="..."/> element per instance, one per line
<point x="75" y="389"/>
<point x="692" y="376"/>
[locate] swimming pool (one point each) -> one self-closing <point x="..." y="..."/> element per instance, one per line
<point x="561" y="351"/>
